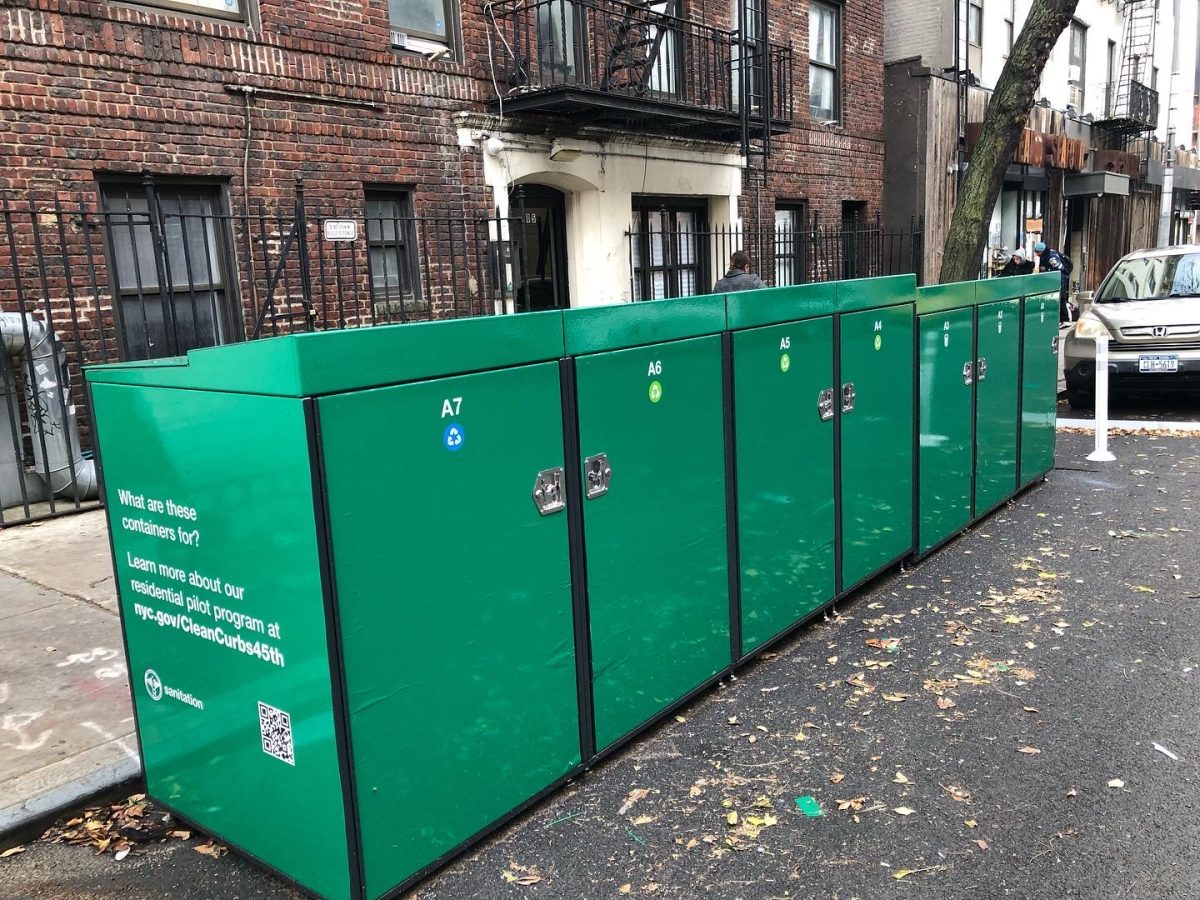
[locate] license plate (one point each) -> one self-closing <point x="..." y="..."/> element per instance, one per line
<point x="1164" y="362"/>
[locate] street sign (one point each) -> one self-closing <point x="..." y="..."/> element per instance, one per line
<point x="341" y="229"/>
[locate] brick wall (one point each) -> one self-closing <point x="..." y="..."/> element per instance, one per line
<point x="919" y="28"/>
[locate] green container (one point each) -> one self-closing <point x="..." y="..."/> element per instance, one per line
<point x="349" y="624"/>
<point x="874" y="399"/>
<point x="946" y="409"/>
<point x="1039" y="374"/>
<point x="783" y="380"/>
<point x="649" y="388"/>
<point x="997" y="391"/>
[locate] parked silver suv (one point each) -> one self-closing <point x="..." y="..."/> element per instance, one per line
<point x="1150" y="304"/>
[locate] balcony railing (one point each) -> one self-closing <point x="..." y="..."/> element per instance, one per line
<point x="1131" y="107"/>
<point x="605" y="60"/>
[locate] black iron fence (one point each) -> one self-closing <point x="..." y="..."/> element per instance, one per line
<point x="154" y="270"/>
<point x="673" y="257"/>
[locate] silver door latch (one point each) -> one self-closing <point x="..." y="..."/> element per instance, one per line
<point x="968" y="372"/>
<point x="981" y="368"/>
<point x="1054" y="344"/>
<point x="848" y="396"/>
<point x="825" y="404"/>
<point x="596" y="475"/>
<point x="548" y="494"/>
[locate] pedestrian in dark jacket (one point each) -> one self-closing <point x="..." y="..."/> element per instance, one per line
<point x="1053" y="261"/>
<point x="1017" y="265"/>
<point x="738" y="278"/>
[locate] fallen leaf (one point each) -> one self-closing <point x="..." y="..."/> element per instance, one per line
<point x="901" y="778"/>
<point x="800" y="736"/>
<point x="11" y="851"/>
<point x="1029" y="750"/>
<point x="832" y="660"/>
<point x="903" y="811"/>
<point x="1116" y="783"/>
<point x="691" y="844"/>
<point x="836" y="778"/>
<point x="731" y="818"/>
<point x="895" y="698"/>
<point x="1072" y="793"/>
<point x="631" y="798"/>
<point x="945" y="703"/>
<point x="182" y="835"/>
<point x="514" y="878"/>
<point x="970" y="823"/>
<point x="215" y="850"/>
<point x="1142" y="589"/>
<point x="1047" y="576"/>
<point x="855" y="804"/>
<point x="51" y="649"/>
<point x="903" y="873"/>
<point x="983" y="845"/>
<point x="652" y="887"/>
<point x="680" y="719"/>
<point x="1030" y="709"/>
<point x="625" y="889"/>
<point x="121" y="854"/>
<point x="643" y="820"/>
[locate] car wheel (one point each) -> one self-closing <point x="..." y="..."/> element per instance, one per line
<point x="1081" y="399"/>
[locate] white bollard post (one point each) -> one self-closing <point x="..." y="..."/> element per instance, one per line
<point x="1101" y="453"/>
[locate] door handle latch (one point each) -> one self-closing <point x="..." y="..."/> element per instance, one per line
<point x="981" y="368"/>
<point x="825" y="404"/>
<point x="548" y="494"/>
<point x="968" y="372"/>
<point x="848" y="396"/>
<point x="596" y="475"/>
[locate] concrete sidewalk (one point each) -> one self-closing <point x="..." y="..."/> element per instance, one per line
<point x="66" y="720"/>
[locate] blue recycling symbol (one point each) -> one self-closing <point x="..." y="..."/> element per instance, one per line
<point x="454" y="436"/>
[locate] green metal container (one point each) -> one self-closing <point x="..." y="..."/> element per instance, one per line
<point x="874" y="401"/>
<point x="348" y="616"/>
<point x="997" y="389"/>
<point x="649" y="388"/>
<point x="783" y="410"/>
<point x="945" y="411"/>
<point x="1039" y="374"/>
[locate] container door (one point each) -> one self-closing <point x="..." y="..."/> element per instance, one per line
<point x="783" y="401"/>
<point x="875" y="402"/>
<point x="653" y="455"/>
<point x="996" y="378"/>
<point x="945" y="407"/>
<point x="1039" y="394"/>
<point x="453" y="591"/>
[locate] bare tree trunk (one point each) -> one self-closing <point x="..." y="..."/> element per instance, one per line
<point x="1007" y="115"/>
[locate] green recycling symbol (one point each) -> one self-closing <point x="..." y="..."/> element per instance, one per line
<point x="655" y="391"/>
<point x="785" y="362"/>
<point x="878" y="341"/>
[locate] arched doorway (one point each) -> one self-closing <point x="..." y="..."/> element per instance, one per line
<point x="540" y="247"/>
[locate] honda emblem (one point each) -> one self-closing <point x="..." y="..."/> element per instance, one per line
<point x="1160" y="330"/>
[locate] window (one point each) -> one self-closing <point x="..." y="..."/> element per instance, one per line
<point x="223" y="9"/>
<point x="1077" y="65"/>
<point x="425" y="26"/>
<point x="790" y="244"/>
<point x="669" y="248"/>
<point x="196" y="307"/>
<point x="824" y="57"/>
<point x="391" y="249"/>
<point x="975" y="23"/>
<point x="1009" y="28"/>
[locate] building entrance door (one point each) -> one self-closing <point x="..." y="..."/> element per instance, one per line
<point x="540" y="214"/>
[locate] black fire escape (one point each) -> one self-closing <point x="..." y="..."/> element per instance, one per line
<point x="1131" y="102"/>
<point x="642" y="66"/>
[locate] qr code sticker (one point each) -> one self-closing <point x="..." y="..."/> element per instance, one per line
<point x="276" y="728"/>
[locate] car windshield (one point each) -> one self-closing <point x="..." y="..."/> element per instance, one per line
<point x="1152" y="278"/>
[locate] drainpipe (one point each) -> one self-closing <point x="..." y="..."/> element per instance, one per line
<point x="55" y="432"/>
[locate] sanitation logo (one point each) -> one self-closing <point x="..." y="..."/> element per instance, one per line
<point x="156" y="689"/>
<point x="154" y="685"/>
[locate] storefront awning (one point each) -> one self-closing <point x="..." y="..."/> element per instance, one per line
<point x="1096" y="184"/>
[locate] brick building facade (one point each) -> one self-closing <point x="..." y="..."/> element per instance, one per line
<point x="392" y="114"/>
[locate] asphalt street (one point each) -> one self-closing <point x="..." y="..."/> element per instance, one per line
<point x="1178" y="405"/>
<point x="1013" y="717"/>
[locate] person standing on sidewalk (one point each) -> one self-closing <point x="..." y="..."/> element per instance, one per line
<point x="738" y="278"/>
<point x="1052" y="261"/>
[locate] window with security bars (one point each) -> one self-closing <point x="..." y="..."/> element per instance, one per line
<point x="176" y="294"/>
<point x="669" y="249"/>
<point x="391" y="248"/>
